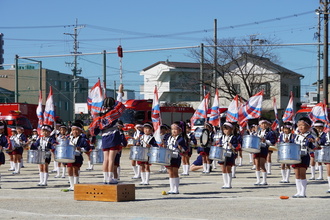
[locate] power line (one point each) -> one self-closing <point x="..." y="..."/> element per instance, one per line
<point x="142" y="35"/>
<point x="172" y="48"/>
<point x="38" y="27"/>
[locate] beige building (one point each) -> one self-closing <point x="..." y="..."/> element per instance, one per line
<point x="62" y="84"/>
<point x="275" y="80"/>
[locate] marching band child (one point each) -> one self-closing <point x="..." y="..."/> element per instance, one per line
<point x="91" y="140"/>
<point x="321" y="140"/>
<point x="205" y="151"/>
<point x="136" y="137"/>
<point x="78" y="140"/>
<point x="62" y="135"/>
<point x="178" y="142"/>
<point x="229" y="141"/>
<point x="328" y="164"/>
<point x="117" y="169"/>
<point x="238" y="148"/>
<point x="44" y="143"/>
<point x="305" y="139"/>
<point x="164" y="135"/>
<point x="268" y="138"/>
<point x="111" y="140"/>
<point x="286" y="136"/>
<point x="20" y="141"/>
<point x="55" y="133"/>
<point x="252" y="131"/>
<point x="4" y="143"/>
<point x="10" y="151"/>
<point x="186" y="156"/>
<point x="216" y="141"/>
<point x="146" y="140"/>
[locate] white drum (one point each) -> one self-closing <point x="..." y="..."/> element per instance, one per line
<point x="97" y="156"/>
<point x="322" y="155"/>
<point x="139" y="153"/>
<point x="36" y="156"/>
<point x="217" y="153"/>
<point x="64" y="152"/>
<point x="202" y="137"/>
<point x="160" y="155"/>
<point x="251" y="144"/>
<point x="289" y="153"/>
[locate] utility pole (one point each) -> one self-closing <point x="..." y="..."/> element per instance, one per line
<point x="325" y="11"/>
<point x="215" y="54"/>
<point x="318" y="12"/>
<point x="75" y="69"/>
<point x="16" y="78"/>
<point x="201" y="72"/>
<point x="105" y="70"/>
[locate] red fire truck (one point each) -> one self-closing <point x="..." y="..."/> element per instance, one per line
<point x="139" y="111"/>
<point x="305" y="110"/>
<point x="19" y="114"/>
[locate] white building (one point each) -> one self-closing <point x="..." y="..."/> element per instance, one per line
<point x="176" y="82"/>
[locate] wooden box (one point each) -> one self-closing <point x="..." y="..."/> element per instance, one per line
<point x="104" y="192"/>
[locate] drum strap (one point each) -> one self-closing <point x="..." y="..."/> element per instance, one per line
<point x="74" y="141"/>
<point x="262" y="134"/>
<point x="44" y="142"/>
<point x="172" y="142"/>
<point x="145" y="142"/>
<point x="301" y="141"/>
<point x="226" y="140"/>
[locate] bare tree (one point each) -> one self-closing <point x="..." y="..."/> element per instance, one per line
<point x="239" y="65"/>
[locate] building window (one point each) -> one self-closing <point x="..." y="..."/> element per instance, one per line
<point x="257" y="87"/>
<point x="66" y="106"/>
<point x="67" y="86"/>
<point x="237" y="88"/>
<point x="284" y="90"/>
<point x="296" y="91"/>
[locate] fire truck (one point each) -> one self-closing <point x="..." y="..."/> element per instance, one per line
<point x="304" y="111"/>
<point x="139" y="112"/>
<point x="19" y="114"/>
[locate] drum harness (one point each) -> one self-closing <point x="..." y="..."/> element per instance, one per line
<point x="74" y="141"/>
<point x="262" y="134"/>
<point x="287" y="137"/>
<point x="172" y="141"/>
<point x="18" y="142"/>
<point x="226" y="140"/>
<point x="301" y="139"/>
<point x="43" y="144"/>
<point x="144" y="141"/>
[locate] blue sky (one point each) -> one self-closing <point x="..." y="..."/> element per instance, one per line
<point x="147" y="24"/>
